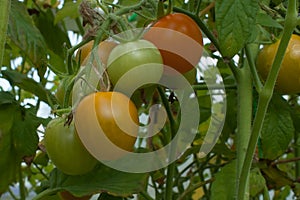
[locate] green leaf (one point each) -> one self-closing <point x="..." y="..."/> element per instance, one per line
<point x="234" y="22"/>
<point x="257" y="182"/>
<point x="224" y="185"/>
<point x="56" y="38"/>
<point x="6" y="98"/>
<point x="28" y="84"/>
<point x="18" y="138"/>
<point x="25" y="138"/>
<point x="70" y="9"/>
<point x="8" y="162"/>
<point x="278" y="130"/>
<point x="56" y="63"/>
<point x="22" y="31"/>
<point x="266" y="20"/>
<point x="102" y="179"/>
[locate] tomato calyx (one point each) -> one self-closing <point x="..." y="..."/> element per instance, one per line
<point x="69" y="119"/>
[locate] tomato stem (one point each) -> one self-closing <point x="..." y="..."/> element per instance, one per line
<point x="70" y="53"/>
<point x="13" y="196"/>
<point x="145" y="195"/>
<point x="59" y="112"/>
<point x="244" y="117"/>
<point x="170" y="7"/>
<point x="192" y="188"/>
<point x="198" y="7"/>
<point x="127" y="9"/>
<point x="160" y="10"/>
<point x="4" y="15"/>
<point x="45" y="193"/>
<point x="251" y="60"/>
<point x="68" y="92"/>
<point x="203" y="86"/>
<point x="21" y="184"/>
<point x="171" y="168"/>
<point x="266" y="94"/>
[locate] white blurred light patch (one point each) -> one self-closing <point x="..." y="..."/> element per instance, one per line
<point x="4" y="85"/>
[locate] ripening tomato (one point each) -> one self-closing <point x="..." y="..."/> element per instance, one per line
<point x="103" y="51"/>
<point x="65" y="149"/>
<point x="84" y="51"/>
<point x="136" y="62"/>
<point x="107" y="124"/>
<point x="179" y="40"/>
<point x="288" y="81"/>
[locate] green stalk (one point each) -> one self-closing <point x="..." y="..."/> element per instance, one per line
<point x="4" y="15"/>
<point x="13" y="196"/>
<point x="146" y="196"/>
<point x="127" y="9"/>
<point x="198" y="7"/>
<point x="170" y="7"/>
<point x="266" y="194"/>
<point x="45" y="193"/>
<point x="266" y="94"/>
<point x="21" y="184"/>
<point x="297" y="154"/>
<point x="194" y="187"/>
<point x="251" y="50"/>
<point x="79" y="26"/>
<point x="70" y="53"/>
<point x="172" y="167"/>
<point x="244" y="116"/>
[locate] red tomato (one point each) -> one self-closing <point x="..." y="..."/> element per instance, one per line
<point x="179" y="40"/>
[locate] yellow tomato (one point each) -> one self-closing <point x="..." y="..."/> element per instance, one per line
<point x="107" y="124"/>
<point x="288" y="80"/>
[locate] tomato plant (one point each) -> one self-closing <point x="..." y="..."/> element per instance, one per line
<point x="65" y="148"/>
<point x="246" y="134"/>
<point x="140" y="58"/>
<point x="181" y="54"/>
<point x="288" y="81"/>
<point x="107" y="114"/>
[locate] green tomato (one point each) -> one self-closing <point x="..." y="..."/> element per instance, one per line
<point x="137" y="63"/>
<point x="65" y="149"/>
<point x="191" y="76"/>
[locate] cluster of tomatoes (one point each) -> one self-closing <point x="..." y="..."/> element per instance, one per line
<point x="64" y="144"/>
<point x="160" y="45"/>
